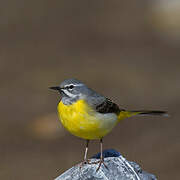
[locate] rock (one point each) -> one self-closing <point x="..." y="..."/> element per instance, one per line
<point x="118" y="169"/>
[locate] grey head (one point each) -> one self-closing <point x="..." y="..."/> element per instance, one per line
<point x="72" y="90"/>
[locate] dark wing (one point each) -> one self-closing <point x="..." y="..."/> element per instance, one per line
<point x="108" y="106"/>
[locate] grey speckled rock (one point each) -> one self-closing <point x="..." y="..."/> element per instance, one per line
<point x="118" y="169"/>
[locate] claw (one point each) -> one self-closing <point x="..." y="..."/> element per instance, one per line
<point x="100" y="163"/>
<point x="83" y="163"/>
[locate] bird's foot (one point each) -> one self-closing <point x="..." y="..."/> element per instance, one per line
<point x="87" y="161"/>
<point x="101" y="161"/>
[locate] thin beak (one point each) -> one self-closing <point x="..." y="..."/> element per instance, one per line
<point x="56" y="88"/>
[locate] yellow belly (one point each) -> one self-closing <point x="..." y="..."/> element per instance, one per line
<point x="82" y="121"/>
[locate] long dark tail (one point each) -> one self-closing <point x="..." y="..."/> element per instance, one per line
<point x="125" y="114"/>
<point x="150" y="113"/>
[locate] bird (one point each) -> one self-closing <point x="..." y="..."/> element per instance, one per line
<point x="89" y="115"/>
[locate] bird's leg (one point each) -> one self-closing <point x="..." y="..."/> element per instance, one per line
<point x="85" y="161"/>
<point x="86" y="151"/>
<point x="101" y="161"/>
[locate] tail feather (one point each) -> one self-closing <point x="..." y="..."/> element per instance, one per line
<point x="126" y="114"/>
<point x="150" y="113"/>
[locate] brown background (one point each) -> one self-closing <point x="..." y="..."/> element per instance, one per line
<point x="126" y="50"/>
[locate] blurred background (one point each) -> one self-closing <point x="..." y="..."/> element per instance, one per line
<point x="127" y="50"/>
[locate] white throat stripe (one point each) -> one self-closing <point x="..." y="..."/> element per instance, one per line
<point x="68" y="93"/>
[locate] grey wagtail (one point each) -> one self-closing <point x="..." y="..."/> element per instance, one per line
<point x="90" y="115"/>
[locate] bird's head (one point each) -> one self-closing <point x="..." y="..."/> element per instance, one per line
<point x="72" y="89"/>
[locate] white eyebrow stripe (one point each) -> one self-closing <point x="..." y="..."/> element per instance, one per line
<point x="73" y="85"/>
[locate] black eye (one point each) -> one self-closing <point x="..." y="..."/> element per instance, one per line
<point x="71" y="87"/>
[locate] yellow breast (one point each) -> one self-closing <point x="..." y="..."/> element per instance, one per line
<point x="83" y="121"/>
